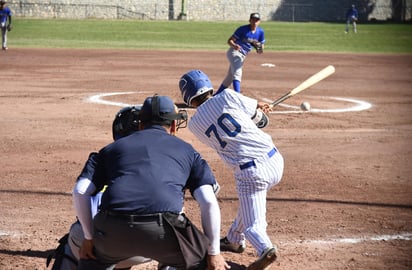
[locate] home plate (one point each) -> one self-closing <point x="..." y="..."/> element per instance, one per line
<point x="268" y="65"/>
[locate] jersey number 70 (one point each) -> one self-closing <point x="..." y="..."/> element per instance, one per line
<point x="226" y="123"/>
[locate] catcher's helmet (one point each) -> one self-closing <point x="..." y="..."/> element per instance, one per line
<point x="193" y="84"/>
<point x="126" y="121"/>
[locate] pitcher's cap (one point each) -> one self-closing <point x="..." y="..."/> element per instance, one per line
<point x="255" y="16"/>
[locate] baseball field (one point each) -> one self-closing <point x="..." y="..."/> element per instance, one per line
<point x="345" y="199"/>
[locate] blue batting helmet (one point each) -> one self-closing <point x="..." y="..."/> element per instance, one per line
<point x="193" y="84"/>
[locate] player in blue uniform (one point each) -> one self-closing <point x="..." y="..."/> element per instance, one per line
<point x="5" y="23"/>
<point x="240" y="45"/>
<point x="146" y="174"/>
<point x="351" y="18"/>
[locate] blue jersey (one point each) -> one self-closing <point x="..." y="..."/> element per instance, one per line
<point x="4" y="14"/>
<point x="244" y="36"/>
<point x="148" y="171"/>
<point x="352" y="13"/>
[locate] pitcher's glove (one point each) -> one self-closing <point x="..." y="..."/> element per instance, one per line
<point x="258" y="46"/>
<point x="9" y="27"/>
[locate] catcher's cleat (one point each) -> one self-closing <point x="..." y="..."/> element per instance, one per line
<point x="268" y="257"/>
<point x="225" y="245"/>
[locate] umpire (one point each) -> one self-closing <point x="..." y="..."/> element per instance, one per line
<point x="147" y="174"/>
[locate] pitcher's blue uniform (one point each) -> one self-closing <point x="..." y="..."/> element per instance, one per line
<point x="240" y="46"/>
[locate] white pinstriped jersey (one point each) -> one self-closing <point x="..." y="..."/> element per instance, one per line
<point x="224" y="123"/>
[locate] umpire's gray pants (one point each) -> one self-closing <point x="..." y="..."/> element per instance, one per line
<point x="119" y="237"/>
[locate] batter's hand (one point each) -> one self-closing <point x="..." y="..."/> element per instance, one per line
<point x="86" y="250"/>
<point x="217" y="262"/>
<point x="265" y="107"/>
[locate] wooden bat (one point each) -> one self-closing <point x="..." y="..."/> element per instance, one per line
<point x="315" y="78"/>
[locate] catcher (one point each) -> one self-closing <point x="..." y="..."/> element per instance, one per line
<point x="66" y="256"/>
<point x="351" y="18"/>
<point x="5" y="23"/>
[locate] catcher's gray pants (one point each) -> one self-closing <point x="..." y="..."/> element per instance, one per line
<point x="3" y="35"/>
<point x="118" y="236"/>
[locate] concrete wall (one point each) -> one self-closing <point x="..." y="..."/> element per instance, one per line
<point x="213" y="10"/>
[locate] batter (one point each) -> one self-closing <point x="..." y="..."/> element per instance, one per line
<point x="225" y="123"/>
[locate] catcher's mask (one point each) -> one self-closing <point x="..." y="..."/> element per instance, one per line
<point x="161" y="110"/>
<point x="193" y="84"/>
<point x="126" y="121"/>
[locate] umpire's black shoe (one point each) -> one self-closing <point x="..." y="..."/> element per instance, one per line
<point x="225" y="245"/>
<point x="268" y="257"/>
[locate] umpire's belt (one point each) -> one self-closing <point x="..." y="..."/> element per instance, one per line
<point x="252" y="162"/>
<point x="133" y="217"/>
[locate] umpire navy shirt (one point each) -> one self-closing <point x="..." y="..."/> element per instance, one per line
<point x="147" y="171"/>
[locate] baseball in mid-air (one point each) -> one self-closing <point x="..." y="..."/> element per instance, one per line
<point x="305" y="106"/>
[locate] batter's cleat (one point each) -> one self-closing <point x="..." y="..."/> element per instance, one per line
<point x="268" y="257"/>
<point x="225" y="245"/>
<point x="5" y="48"/>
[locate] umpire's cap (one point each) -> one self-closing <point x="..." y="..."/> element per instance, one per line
<point x="160" y="110"/>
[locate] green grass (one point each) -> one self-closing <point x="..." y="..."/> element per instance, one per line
<point x="188" y="35"/>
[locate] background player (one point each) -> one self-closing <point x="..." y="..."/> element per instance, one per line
<point x="225" y="122"/>
<point x="351" y="18"/>
<point x="241" y="43"/>
<point x="5" y="23"/>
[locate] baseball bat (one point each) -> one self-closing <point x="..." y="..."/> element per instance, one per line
<point x="315" y="78"/>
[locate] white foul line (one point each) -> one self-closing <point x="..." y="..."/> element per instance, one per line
<point x="402" y="236"/>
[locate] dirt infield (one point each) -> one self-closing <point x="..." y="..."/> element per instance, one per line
<point x="345" y="200"/>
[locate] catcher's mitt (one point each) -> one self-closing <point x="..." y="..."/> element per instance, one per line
<point x="258" y="46"/>
<point x="9" y="27"/>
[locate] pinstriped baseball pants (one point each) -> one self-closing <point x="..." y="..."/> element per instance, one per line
<point x="252" y="185"/>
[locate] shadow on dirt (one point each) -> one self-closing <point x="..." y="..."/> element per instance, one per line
<point x="27" y="253"/>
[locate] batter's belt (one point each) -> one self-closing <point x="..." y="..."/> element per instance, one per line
<point x="253" y="163"/>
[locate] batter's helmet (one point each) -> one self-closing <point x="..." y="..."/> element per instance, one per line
<point x="126" y="122"/>
<point x="193" y="84"/>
